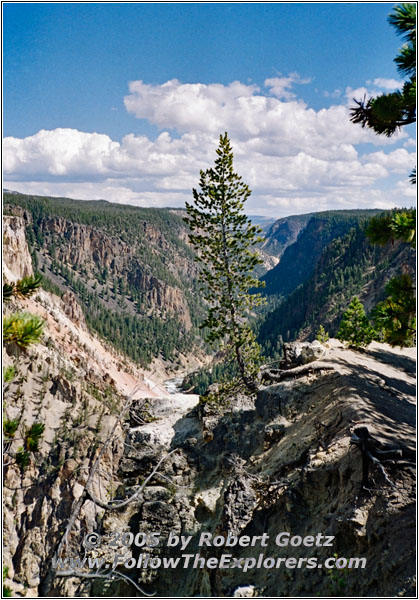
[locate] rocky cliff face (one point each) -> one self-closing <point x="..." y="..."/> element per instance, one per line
<point x="131" y="270"/>
<point x="17" y="262"/>
<point x="78" y="244"/>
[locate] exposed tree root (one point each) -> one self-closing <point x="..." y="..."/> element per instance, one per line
<point x="372" y="454"/>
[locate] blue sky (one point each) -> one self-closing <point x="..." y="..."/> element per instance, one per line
<point x="126" y="101"/>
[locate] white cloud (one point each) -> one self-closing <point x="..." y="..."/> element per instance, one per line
<point x="293" y="157"/>
<point x="281" y="86"/>
<point x="58" y="152"/>
<point x="387" y="84"/>
<point x="185" y="106"/>
<point x="245" y="112"/>
<point x="359" y="94"/>
<point x="398" y="161"/>
<point x="407" y="190"/>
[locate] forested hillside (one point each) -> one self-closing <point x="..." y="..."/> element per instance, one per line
<point x="349" y="266"/>
<point x="315" y="232"/>
<point x="131" y="269"/>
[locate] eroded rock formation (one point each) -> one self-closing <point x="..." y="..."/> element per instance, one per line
<point x="17" y="261"/>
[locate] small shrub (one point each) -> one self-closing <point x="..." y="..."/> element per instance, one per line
<point x="22" y="458"/>
<point x="7" y="292"/>
<point x="23" y="288"/>
<point x="337" y="580"/>
<point x="30" y="444"/>
<point x="8" y="374"/>
<point x="322" y="336"/>
<point x="10" y="427"/>
<point x="355" y="327"/>
<point x="33" y="436"/>
<point x="396" y="316"/>
<point x="7" y="591"/>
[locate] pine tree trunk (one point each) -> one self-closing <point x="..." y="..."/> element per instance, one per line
<point x="248" y="381"/>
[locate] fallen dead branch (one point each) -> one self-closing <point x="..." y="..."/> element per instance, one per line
<point x="281" y="374"/>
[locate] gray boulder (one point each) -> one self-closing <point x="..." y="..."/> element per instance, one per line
<point x="301" y="353"/>
<point x="244" y="591"/>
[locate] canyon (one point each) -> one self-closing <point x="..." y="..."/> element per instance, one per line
<point x="120" y="453"/>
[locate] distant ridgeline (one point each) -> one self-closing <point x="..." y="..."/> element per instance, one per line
<point x="318" y="275"/>
<point x="130" y="268"/>
<point x="315" y="233"/>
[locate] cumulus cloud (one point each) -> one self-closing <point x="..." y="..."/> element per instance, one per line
<point x="59" y="152"/>
<point x="387" y="84"/>
<point x="398" y="161"/>
<point x="281" y="86"/>
<point x="186" y="106"/>
<point x="409" y="142"/>
<point x="245" y="112"/>
<point x="407" y="190"/>
<point x="295" y="158"/>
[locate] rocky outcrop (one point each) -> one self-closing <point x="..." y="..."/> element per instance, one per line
<point x="240" y="501"/>
<point x="73" y="309"/>
<point x="160" y="295"/>
<point x="301" y="353"/>
<point x="84" y="244"/>
<point x="286" y="464"/>
<point x="17" y="262"/>
<point x="283" y="233"/>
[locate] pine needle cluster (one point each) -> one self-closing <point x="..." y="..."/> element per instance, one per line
<point x="22" y="329"/>
<point x="23" y="288"/>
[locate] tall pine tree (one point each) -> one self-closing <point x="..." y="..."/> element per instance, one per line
<point x="224" y="239"/>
